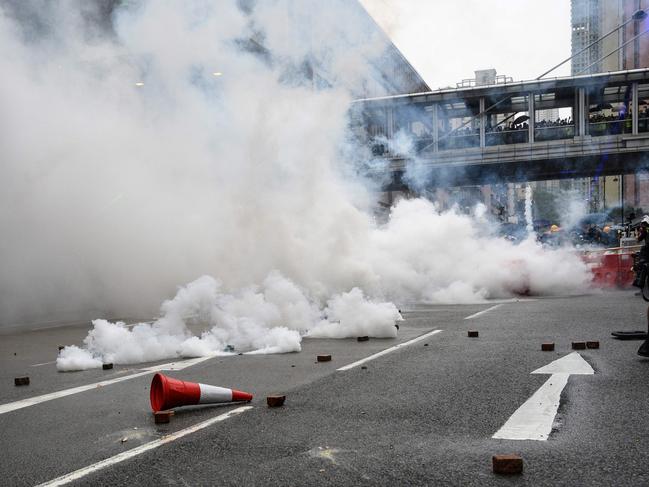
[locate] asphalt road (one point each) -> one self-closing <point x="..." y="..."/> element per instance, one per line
<point x="423" y="414"/>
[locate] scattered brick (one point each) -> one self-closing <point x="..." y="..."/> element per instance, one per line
<point x="547" y="347"/>
<point x="363" y="339"/>
<point x="107" y="366"/>
<point x="593" y="344"/>
<point x="275" y="401"/>
<point x="579" y="345"/>
<point x="507" y="464"/>
<point x="473" y="334"/>
<point x="324" y="358"/>
<point x="162" y="417"/>
<point x="21" y="381"/>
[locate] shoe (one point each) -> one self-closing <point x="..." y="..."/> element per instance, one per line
<point x="644" y="349"/>
<point x="630" y="335"/>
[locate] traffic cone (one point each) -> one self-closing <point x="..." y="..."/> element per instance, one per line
<point x="168" y="393"/>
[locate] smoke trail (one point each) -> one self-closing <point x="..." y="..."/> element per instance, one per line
<point x="129" y="168"/>
<point x="529" y="224"/>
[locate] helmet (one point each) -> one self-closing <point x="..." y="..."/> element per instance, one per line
<point x="554" y="228"/>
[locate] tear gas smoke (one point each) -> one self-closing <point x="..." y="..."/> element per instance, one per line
<point x="114" y="193"/>
<point x="529" y="222"/>
<point x="572" y="208"/>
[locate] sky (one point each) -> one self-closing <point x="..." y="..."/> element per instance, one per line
<point x="447" y="40"/>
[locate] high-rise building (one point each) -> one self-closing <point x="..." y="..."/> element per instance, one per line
<point x="590" y="20"/>
<point x="586" y="28"/>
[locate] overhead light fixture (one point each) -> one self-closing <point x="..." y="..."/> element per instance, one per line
<point x="139" y="83"/>
<point x="217" y="73"/>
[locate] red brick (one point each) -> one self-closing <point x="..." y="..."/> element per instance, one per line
<point x="324" y="358"/>
<point x="363" y="339"/>
<point x="162" y="417"/>
<point x="593" y="344"/>
<point x="472" y="334"/>
<point x="579" y="345"/>
<point x="275" y="401"/>
<point x="547" y="347"/>
<point x="21" y="381"/>
<point x="106" y="366"/>
<point x="507" y="464"/>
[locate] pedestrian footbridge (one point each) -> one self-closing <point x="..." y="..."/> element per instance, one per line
<point x="578" y="126"/>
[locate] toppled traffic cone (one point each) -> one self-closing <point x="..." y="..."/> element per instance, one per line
<point x="168" y="393"/>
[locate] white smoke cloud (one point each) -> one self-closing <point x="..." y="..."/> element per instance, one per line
<point x="113" y="194"/>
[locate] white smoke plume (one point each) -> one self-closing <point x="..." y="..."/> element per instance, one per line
<point x="127" y="168"/>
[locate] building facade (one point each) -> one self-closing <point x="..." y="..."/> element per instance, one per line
<point x="623" y="48"/>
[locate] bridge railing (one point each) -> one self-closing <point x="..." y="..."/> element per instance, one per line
<point x="481" y="117"/>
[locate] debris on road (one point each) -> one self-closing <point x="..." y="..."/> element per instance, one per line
<point x="162" y="417"/>
<point x="579" y="345"/>
<point x="547" y="347"/>
<point x="363" y="339"/>
<point x="107" y="366"/>
<point x="507" y="464"/>
<point x="275" y="401"/>
<point x="593" y="344"/>
<point x="21" y="381"/>
<point x="472" y="334"/>
<point x="324" y="358"/>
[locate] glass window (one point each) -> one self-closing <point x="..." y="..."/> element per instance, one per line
<point x="609" y="110"/>
<point x="553" y="115"/>
<point x="508" y="122"/>
<point x="415" y="121"/>
<point x="456" y="123"/>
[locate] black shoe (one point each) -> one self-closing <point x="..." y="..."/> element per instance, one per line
<point x="644" y="349"/>
<point x="630" y="335"/>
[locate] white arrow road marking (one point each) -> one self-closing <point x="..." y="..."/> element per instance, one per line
<point x="82" y="472"/>
<point x="534" y="419"/>
<point x="12" y="406"/>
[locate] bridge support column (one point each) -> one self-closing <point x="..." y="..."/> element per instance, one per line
<point x="634" y="107"/>
<point x="531" y="112"/>
<point x="483" y="123"/>
<point x="435" y="128"/>
<point x="582" y="113"/>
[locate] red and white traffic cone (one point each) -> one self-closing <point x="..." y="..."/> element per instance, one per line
<point x="168" y="393"/>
